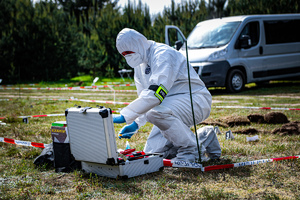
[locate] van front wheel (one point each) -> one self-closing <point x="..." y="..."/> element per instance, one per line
<point x="235" y="81"/>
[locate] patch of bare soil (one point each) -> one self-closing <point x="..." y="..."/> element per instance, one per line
<point x="276" y="118"/>
<point x="236" y="121"/>
<point x="213" y="123"/>
<point x="270" y="118"/>
<point x="230" y="121"/>
<point x="256" y="118"/>
<point x="292" y="128"/>
<point x="247" y="131"/>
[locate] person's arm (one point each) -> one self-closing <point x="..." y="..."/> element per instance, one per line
<point x="164" y="72"/>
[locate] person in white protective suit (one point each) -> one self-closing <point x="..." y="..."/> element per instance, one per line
<point x="161" y="78"/>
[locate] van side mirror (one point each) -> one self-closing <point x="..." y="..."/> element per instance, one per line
<point x="244" y="42"/>
<point x="178" y="44"/>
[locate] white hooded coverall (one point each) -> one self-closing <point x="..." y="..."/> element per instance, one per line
<point x="158" y="64"/>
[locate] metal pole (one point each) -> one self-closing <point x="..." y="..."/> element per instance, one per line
<point x="188" y="68"/>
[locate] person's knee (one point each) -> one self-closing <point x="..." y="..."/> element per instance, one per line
<point x="159" y="118"/>
<point x="154" y="115"/>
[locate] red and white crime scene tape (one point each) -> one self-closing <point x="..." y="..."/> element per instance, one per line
<point x="262" y="108"/>
<point x="178" y="164"/>
<point x="110" y="83"/>
<point x="23" y="143"/>
<point x="127" y="103"/>
<point x="99" y="90"/>
<point x="94" y="101"/>
<point x="48" y="115"/>
<point x="66" y="88"/>
<point x="254" y="162"/>
<point x="167" y="162"/>
<point x="82" y="100"/>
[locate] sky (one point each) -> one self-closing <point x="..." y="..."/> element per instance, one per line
<point x="155" y="6"/>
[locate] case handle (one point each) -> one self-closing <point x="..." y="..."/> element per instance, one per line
<point x="83" y="110"/>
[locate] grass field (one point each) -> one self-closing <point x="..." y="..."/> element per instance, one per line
<point x="21" y="179"/>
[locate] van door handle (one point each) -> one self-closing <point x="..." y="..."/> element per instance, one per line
<point x="261" y="50"/>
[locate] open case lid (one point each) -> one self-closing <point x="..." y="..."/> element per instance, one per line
<point x="92" y="135"/>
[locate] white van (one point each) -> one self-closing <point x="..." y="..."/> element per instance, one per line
<point x="232" y="51"/>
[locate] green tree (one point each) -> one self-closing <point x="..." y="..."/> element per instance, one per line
<point x="39" y="42"/>
<point x="94" y="57"/>
<point x="110" y="21"/>
<point x="185" y="16"/>
<point x="216" y="8"/>
<point x="247" y="7"/>
<point x="56" y="39"/>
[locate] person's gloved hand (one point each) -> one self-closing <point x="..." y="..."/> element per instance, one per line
<point x="118" y="119"/>
<point x="128" y="130"/>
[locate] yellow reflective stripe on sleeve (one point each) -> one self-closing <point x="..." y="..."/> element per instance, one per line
<point x="161" y="93"/>
<point x="159" y="97"/>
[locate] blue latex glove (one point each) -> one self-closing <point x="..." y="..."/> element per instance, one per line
<point x="118" y="119"/>
<point x="128" y="130"/>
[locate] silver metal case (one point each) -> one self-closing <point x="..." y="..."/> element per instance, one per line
<point x="92" y="135"/>
<point x="93" y="142"/>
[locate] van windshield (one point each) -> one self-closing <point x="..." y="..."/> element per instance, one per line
<point x="211" y="34"/>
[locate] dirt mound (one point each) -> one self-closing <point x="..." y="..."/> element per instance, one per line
<point x="276" y="118"/>
<point x="270" y="118"/>
<point x="213" y="123"/>
<point x="247" y="131"/>
<point x="236" y="121"/>
<point x="230" y="121"/>
<point x="292" y="128"/>
<point x="257" y="118"/>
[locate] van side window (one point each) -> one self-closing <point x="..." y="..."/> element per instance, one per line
<point x="251" y="33"/>
<point x="282" y="31"/>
